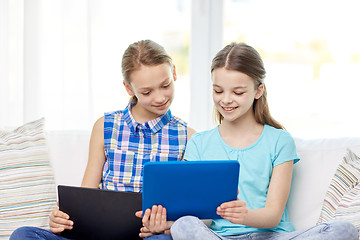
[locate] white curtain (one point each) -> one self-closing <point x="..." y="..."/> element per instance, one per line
<point x="11" y="62"/>
<point x="61" y="59"/>
<point x="45" y="64"/>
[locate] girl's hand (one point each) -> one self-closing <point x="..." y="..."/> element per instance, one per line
<point x="234" y="211"/>
<point x="155" y="221"/>
<point x="59" y="221"/>
<point x="144" y="232"/>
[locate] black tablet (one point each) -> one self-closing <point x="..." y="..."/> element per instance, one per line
<point x="100" y="214"/>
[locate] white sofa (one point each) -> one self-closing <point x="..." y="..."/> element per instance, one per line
<point x="68" y="152"/>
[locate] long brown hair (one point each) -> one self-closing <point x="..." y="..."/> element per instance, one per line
<point x="143" y="52"/>
<point x="244" y="58"/>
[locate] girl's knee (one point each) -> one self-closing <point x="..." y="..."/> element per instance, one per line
<point x="159" y="237"/>
<point x="188" y="219"/>
<point x="20" y="233"/>
<point x="33" y="233"/>
<point x="350" y="228"/>
<point x="186" y="224"/>
<point x="345" y="228"/>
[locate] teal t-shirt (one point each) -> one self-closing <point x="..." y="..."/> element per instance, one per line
<point x="274" y="146"/>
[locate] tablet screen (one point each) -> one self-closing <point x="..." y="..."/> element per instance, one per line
<point x="194" y="188"/>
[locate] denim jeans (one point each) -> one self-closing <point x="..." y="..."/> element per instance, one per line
<point x="33" y="233"/>
<point x="192" y="228"/>
<point x="159" y="237"/>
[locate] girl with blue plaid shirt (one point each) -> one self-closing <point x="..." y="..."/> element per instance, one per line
<point x="123" y="141"/>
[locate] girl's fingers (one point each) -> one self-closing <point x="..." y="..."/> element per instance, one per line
<point x="158" y="219"/>
<point x="153" y="216"/>
<point x="57" y="213"/>
<point x="56" y="230"/>
<point x="146" y="217"/>
<point x="144" y="235"/>
<point x="58" y="225"/>
<point x="155" y="220"/>
<point x="232" y="214"/>
<point x="163" y="216"/>
<point x="237" y="203"/>
<point x="144" y="230"/>
<point x="59" y="218"/>
<point x="232" y="210"/>
<point x="139" y="214"/>
<point x="233" y="206"/>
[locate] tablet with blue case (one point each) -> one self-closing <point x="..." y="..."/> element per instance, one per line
<point x="193" y="188"/>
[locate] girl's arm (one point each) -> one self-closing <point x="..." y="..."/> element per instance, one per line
<point x="154" y="220"/>
<point x="93" y="173"/>
<point x="269" y="216"/>
<point x="58" y="220"/>
<point x="190" y="132"/>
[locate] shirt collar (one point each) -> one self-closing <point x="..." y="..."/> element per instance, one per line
<point x="157" y="124"/>
<point x="129" y="119"/>
<point x="154" y="125"/>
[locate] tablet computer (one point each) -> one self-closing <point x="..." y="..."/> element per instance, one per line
<point x="100" y="214"/>
<point x="194" y="188"/>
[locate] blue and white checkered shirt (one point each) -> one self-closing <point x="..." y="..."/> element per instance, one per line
<point x="129" y="145"/>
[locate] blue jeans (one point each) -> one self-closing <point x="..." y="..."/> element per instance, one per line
<point x="192" y="228"/>
<point x="34" y="233"/>
<point x="159" y="237"/>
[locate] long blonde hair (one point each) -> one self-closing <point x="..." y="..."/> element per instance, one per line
<point x="143" y="52"/>
<point x="244" y="58"/>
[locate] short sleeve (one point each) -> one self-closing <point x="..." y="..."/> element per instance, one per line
<point x="192" y="151"/>
<point x="285" y="149"/>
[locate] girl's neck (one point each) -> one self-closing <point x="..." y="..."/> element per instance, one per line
<point x="241" y="133"/>
<point x="141" y="115"/>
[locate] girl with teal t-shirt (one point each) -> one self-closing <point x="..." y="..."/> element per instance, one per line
<point x="266" y="152"/>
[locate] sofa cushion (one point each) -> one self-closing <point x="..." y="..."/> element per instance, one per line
<point x="27" y="186"/>
<point x="319" y="159"/>
<point x="342" y="198"/>
<point x="349" y="207"/>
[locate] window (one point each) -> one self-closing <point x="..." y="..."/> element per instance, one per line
<point x="312" y="57"/>
<point x="62" y="59"/>
<point x="115" y="25"/>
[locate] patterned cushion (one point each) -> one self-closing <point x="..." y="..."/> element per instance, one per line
<point x="349" y="207"/>
<point x="27" y="186"/>
<point x="342" y="200"/>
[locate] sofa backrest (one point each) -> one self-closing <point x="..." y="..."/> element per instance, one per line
<point x="68" y="152"/>
<point x="312" y="175"/>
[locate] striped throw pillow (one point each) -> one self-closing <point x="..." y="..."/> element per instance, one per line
<point x="349" y="207"/>
<point x="342" y="200"/>
<point x="27" y="186"/>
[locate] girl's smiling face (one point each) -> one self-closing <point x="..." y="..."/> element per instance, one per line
<point x="234" y="93"/>
<point x="153" y="87"/>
